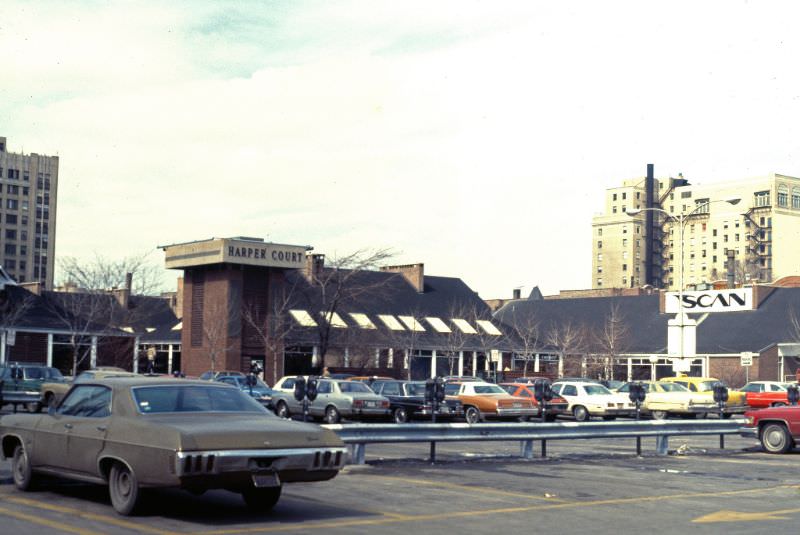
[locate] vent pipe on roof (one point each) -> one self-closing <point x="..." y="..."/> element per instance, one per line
<point x="517" y="293"/>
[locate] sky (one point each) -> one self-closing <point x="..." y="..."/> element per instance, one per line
<point x="475" y="137"/>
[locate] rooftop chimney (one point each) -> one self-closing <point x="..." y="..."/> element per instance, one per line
<point x="413" y="273"/>
<point x="315" y="263"/>
<point x="123" y="295"/>
<point x="517" y="293"/>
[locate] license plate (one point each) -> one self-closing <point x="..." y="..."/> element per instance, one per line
<point x="517" y="405"/>
<point x="371" y="404"/>
<point x="266" y="480"/>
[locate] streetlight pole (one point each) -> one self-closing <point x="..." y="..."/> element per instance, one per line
<point x="681" y="220"/>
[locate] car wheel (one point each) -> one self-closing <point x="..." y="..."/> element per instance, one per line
<point x="779" y="404"/>
<point x="331" y="415"/>
<point x="400" y="415"/>
<point x="21" y="469"/>
<point x="659" y="415"/>
<point x="282" y="410"/>
<point x="580" y="413"/>
<point x="727" y="415"/>
<point x="472" y="415"/>
<point x="123" y="487"/>
<point x="49" y="399"/>
<point x="261" y="499"/>
<point x="775" y="438"/>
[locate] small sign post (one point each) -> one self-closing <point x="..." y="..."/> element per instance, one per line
<point x="746" y="360"/>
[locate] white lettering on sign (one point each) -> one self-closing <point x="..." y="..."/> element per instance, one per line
<point x="710" y="301"/>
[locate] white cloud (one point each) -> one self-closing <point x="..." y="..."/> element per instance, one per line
<point x="475" y="138"/>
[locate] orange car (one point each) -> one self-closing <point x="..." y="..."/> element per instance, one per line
<point x="485" y="400"/>
<point x="555" y="406"/>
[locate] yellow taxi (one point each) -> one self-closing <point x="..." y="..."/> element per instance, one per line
<point x="736" y="404"/>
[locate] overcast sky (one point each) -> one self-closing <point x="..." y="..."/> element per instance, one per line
<point x="476" y="137"/>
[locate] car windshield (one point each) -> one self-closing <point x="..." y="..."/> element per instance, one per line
<point x="193" y="398"/>
<point x="355" y="387"/>
<point x="489" y="389"/>
<point x="596" y="390"/>
<point x="673" y="387"/>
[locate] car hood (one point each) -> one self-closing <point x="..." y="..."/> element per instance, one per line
<point x="221" y="431"/>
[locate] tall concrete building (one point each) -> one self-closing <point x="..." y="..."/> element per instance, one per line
<point x="749" y="226"/>
<point x="28" y="186"/>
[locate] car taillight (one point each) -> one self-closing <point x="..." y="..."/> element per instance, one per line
<point x="358" y="403"/>
<point x="385" y="404"/>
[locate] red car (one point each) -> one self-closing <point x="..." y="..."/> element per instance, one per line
<point x="778" y="428"/>
<point x="761" y="394"/>
<point x="555" y="406"/>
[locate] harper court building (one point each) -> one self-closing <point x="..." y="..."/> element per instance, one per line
<point x="245" y="300"/>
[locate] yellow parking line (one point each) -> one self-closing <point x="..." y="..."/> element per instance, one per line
<point x="47" y="523"/>
<point x="469" y="488"/>
<point x="114" y="521"/>
<point x="506" y="510"/>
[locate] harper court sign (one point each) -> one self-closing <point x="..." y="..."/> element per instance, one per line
<point x="700" y="302"/>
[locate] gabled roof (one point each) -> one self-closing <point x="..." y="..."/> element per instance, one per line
<point x="718" y="333"/>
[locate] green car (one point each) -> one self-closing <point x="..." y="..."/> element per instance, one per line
<point x="22" y="384"/>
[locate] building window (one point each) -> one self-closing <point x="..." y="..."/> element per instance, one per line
<point x="624" y="267"/>
<point x="624" y="255"/>
<point x="624" y="209"/>
<point x="599" y="257"/>
<point x="599" y="281"/>
<point x="624" y="230"/>
<point x="686" y="195"/>
<point x="725" y="238"/>
<point x="599" y="269"/>
<point x="624" y="281"/>
<point x="11" y="249"/>
<point x="762" y="198"/>
<point x="599" y="244"/>
<point x="613" y="196"/>
<point x="11" y="234"/>
<point x="638" y="230"/>
<point x="736" y="237"/>
<point x="599" y="232"/>
<point x="614" y="209"/>
<point x="701" y="206"/>
<point x="783" y="195"/>
<point x="796" y="198"/>
<point x="637" y="195"/>
<point x="11" y="219"/>
<point x="12" y="204"/>
<point x="624" y="242"/>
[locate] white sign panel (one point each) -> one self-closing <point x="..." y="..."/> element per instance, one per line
<point x="746" y="358"/>
<point x="700" y="302"/>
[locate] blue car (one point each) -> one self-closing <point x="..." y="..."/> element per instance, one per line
<point x="260" y="391"/>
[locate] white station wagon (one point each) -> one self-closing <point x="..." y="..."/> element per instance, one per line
<point x="593" y="399"/>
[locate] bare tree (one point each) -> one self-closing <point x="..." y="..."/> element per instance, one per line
<point x="82" y="315"/>
<point x="101" y="273"/>
<point x="524" y="330"/>
<point x="15" y="303"/>
<point x="341" y="282"/>
<point x="219" y="330"/>
<point x="610" y="341"/>
<point x="567" y="338"/>
<point x="270" y="326"/>
<point x="744" y="272"/>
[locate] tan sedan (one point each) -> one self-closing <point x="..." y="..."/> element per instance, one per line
<point x="131" y="433"/>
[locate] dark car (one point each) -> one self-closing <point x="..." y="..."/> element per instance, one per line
<point x="407" y="401"/>
<point x="22" y="384"/>
<point x="259" y="391"/>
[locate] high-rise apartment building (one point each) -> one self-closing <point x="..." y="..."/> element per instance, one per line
<point x="751" y="225"/>
<point x="28" y="186"/>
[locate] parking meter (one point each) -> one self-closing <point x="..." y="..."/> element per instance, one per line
<point x="311" y="388"/>
<point x="542" y="393"/>
<point x="438" y="389"/>
<point x="793" y="394"/>
<point x="430" y="390"/>
<point x="637" y="395"/>
<point x="251" y="381"/>
<point x="299" y="388"/>
<point x="721" y="397"/>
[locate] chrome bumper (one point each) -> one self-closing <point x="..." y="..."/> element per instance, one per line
<point x="193" y="463"/>
<point x="749" y="432"/>
<point x="509" y="413"/>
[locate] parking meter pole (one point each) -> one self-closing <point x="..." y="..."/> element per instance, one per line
<point x="544" y="449"/>
<point x="305" y="409"/>
<point x="433" y="420"/>
<point x="638" y="439"/>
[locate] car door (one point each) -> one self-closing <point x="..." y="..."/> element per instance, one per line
<point x="324" y="391"/>
<point x="85" y="416"/>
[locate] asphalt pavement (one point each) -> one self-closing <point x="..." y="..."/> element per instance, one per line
<point x="586" y="486"/>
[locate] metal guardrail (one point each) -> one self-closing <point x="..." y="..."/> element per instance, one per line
<point x="359" y="435"/>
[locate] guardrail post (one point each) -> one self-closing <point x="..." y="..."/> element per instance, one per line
<point x="544" y="448"/>
<point x="662" y="444"/>
<point x="358" y="453"/>
<point x="721" y="441"/>
<point x="526" y="448"/>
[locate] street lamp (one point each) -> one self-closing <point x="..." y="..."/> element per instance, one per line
<point x="681" y="220"/>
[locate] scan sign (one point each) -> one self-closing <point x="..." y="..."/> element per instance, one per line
<point x="700" y="302"/>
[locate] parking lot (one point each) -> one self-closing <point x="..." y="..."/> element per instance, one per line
<point x="589" y="486"/>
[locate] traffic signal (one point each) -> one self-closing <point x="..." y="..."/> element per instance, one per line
<point x="299" y="388"/>
<point x="311" y="388"/>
